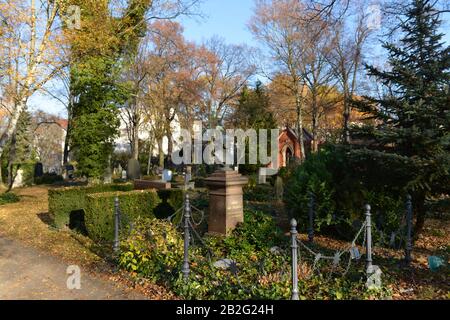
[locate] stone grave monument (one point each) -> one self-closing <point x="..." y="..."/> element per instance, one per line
<point x="226" y="205"/>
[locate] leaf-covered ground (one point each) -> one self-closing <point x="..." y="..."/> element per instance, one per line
<point x="417" y="282"/>
<point x="28" y="222"/>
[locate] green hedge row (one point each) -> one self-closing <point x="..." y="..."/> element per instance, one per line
<point x="99" y="212"/>
<point x="63" y="201"/>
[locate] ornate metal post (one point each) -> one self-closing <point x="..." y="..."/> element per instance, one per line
<point x="116" y="225"/>
<point x="294" y="247"/>
<point x="368" y="237"/>
<point x="311" y="205"/>
<point x="409" y="222"/>
<point x="187" y="215"/>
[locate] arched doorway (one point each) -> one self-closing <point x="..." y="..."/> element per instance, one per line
<point x="288" y="155"/>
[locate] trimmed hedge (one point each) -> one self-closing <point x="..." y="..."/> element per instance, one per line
<point x="63" y="201"/>
<point x="99" y="212"/>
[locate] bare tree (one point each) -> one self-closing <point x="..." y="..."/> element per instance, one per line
<point x="225" y="69"/>
<point x="277" y="24"/>
<point x="316" y="42"/>
<point x="138" y="70"/>
<point x="346" y="59"/>
<point x="31" y="42"/>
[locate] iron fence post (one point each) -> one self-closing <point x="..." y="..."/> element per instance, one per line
<point x="294" y="247"/>
<point x="116" y="225"/>
<point x="409" y="220"/>
<point x="311" y="205"/>
<point x="187" y="215"/>
<point x="368" y="237"/>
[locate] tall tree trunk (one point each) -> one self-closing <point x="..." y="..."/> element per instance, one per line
<point x="346" y="120"/>
<point x="135" y="143"/>
<point x="150" y="154"/>
<point x="67" y="141"/>
<point x="161" y="153"/>
<point x="299" y="107"/>
<point x="11" y="159"/>
<point x="170" y="145"/>
<point x="12" y="126"/>
<point x="314" y="120"/>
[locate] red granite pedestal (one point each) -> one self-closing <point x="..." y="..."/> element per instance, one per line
<point x="226" y="205"/>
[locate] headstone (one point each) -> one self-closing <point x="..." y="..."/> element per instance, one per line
<point x="226" y="205"/>
<point x="133" y="169"/>
<point x="38" y="169"/>
<point x="70" y="171"/>
<point x="279" y="189"/>
<point x="188" y="177"/>
<point x="167" y="176"/>
<point x="18" y="180"/>
<point x="107" y="177"/>
<point x="262" y="178"/>
<point x="124" y="175"/>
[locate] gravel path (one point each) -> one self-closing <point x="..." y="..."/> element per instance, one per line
<point x="28" y="274"/>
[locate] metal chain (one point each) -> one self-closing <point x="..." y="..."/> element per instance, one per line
<point x="336" y="259"/>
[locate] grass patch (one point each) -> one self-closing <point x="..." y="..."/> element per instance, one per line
<point x="6" y="198"/>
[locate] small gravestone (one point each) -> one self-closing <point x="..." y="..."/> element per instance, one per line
<point x="167" y="176"/>
<point x="262" y="178"/>
<point x="18" y="180"/>
<point x="38" y="169"/>
<point x="107" y="177"/>
<point x="69" y="170"/>
<point x="279" y="189"/>
<point x="124" y="175"/>
<point x="188" y="177"/>
<point x="133" y="169"/>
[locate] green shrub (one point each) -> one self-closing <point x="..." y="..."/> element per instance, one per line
<point x="6" y="198"/>
<point x="153" y="250"/>
<point x="99" y="211"/>
<point x="342" y="186"/>
<point x="259" y="193"/>
<point x="63" y="201"/>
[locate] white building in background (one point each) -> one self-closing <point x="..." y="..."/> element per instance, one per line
<point x="122" y="143"/>
<point x="48" y="142"/>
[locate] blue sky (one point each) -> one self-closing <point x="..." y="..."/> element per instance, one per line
<point x="225" y="18"/>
